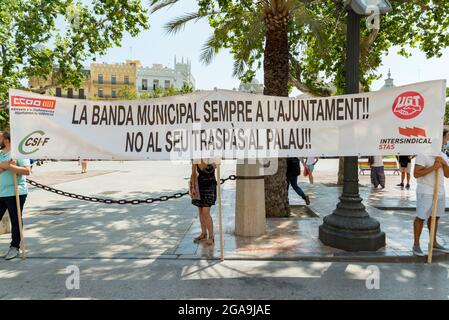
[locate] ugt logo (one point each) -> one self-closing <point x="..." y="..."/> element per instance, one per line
<point x="32" y="142"/>
<point x="408" y="105"/>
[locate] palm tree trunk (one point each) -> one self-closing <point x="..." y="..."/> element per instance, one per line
<point x="276" y="75"/>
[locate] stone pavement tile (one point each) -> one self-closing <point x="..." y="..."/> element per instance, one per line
<point x="186" y="250"/>
<point x="64" y="176"/>
<point x="188" y="256"/>
<point x="165" y="256"/>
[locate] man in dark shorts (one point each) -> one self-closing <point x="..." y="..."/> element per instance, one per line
<point x="405" y="166"/>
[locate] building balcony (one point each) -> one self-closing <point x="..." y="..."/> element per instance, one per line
<point x="74" y="96"/>
<point x="108" y="97"/>
<point x="152" y="89"/>
<point x="116" y="83"/>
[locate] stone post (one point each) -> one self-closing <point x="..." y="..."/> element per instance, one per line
<point x="250" y="220"/>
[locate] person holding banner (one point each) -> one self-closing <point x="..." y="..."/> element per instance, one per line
<point x="203" y="181"/>
<point x="425" y="167"/>
<point x="8" y="168"/>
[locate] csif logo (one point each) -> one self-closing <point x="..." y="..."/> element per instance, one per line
<point x="32" y="142"/>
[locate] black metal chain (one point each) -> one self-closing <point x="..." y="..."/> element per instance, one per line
<point x="112" y="201"/>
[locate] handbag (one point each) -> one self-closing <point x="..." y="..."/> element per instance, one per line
<point x="195" y="196"/>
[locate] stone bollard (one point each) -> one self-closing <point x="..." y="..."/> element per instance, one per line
<point x="5" y="225"/>
<point x="250" y="220"/>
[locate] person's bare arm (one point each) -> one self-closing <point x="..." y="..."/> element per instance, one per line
<point x="216" y="162"/>
<point x="193" y="174"/>
<point x="421" y="171"/>
<point x="13" y="167"/>
<point x="445" y="166"/>
<point x="446" y="170"/>
<point x="26" y="171"/>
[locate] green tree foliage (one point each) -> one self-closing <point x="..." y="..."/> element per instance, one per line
<point x="4" y="120"/>
<point x="186" y="88"/>
<point x="317" y="34"/>
<point x="31" y="44"/>
<point x="127" y="92"/>
<point x="316" y="37"/>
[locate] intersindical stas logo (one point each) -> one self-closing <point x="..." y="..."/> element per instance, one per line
<point x="33" y="142"/>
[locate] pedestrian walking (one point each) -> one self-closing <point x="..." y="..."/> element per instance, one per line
<point x="309" y="166"/>
<point x="203" y="181"/>
<point x="83" y="165"/>
<point x="425" y="167"/>
<point x="293" y="171"/>
<point x="9" y="168"/>
<point x="405" y="166"/>
<point x="377" y="171"/>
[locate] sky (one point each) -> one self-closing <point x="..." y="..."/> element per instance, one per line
<point x="155" y="46"/>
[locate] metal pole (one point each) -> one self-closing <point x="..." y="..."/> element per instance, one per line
<point x="350" y="227"/>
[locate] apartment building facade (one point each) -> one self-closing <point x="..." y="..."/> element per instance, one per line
<point x="159" y="76"/>
<point x="108" y="78"/>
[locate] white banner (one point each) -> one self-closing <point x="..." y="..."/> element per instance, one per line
<point x="230" y="125"/>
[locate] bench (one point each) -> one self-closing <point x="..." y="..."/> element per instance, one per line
<point x="389" y="165"/>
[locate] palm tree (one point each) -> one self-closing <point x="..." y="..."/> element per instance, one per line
<point x="260" y="26"/>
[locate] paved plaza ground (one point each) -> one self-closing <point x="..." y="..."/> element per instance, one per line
<point x="150" y="246"/>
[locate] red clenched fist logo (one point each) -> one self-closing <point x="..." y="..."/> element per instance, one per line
<point x="408" y="105"/>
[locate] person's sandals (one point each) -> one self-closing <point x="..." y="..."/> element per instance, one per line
<point x="201" y="237"/>
<point x="209" y="242"/>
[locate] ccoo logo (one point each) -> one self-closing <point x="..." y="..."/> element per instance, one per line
<point x="408" y="105"/>
<point x="32" y="142"/>
<point x="17" y="101"/>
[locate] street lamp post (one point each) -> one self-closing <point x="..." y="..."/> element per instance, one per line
<point x="350" y="227"/>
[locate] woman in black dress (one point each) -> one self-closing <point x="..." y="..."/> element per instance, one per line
<point x="204" y="174"/>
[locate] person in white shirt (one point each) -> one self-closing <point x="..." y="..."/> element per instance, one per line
<point x="377" y="171"/>
<point x="425" y="167"/>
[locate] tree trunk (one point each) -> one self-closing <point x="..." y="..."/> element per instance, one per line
<point x="276" y="75"/>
